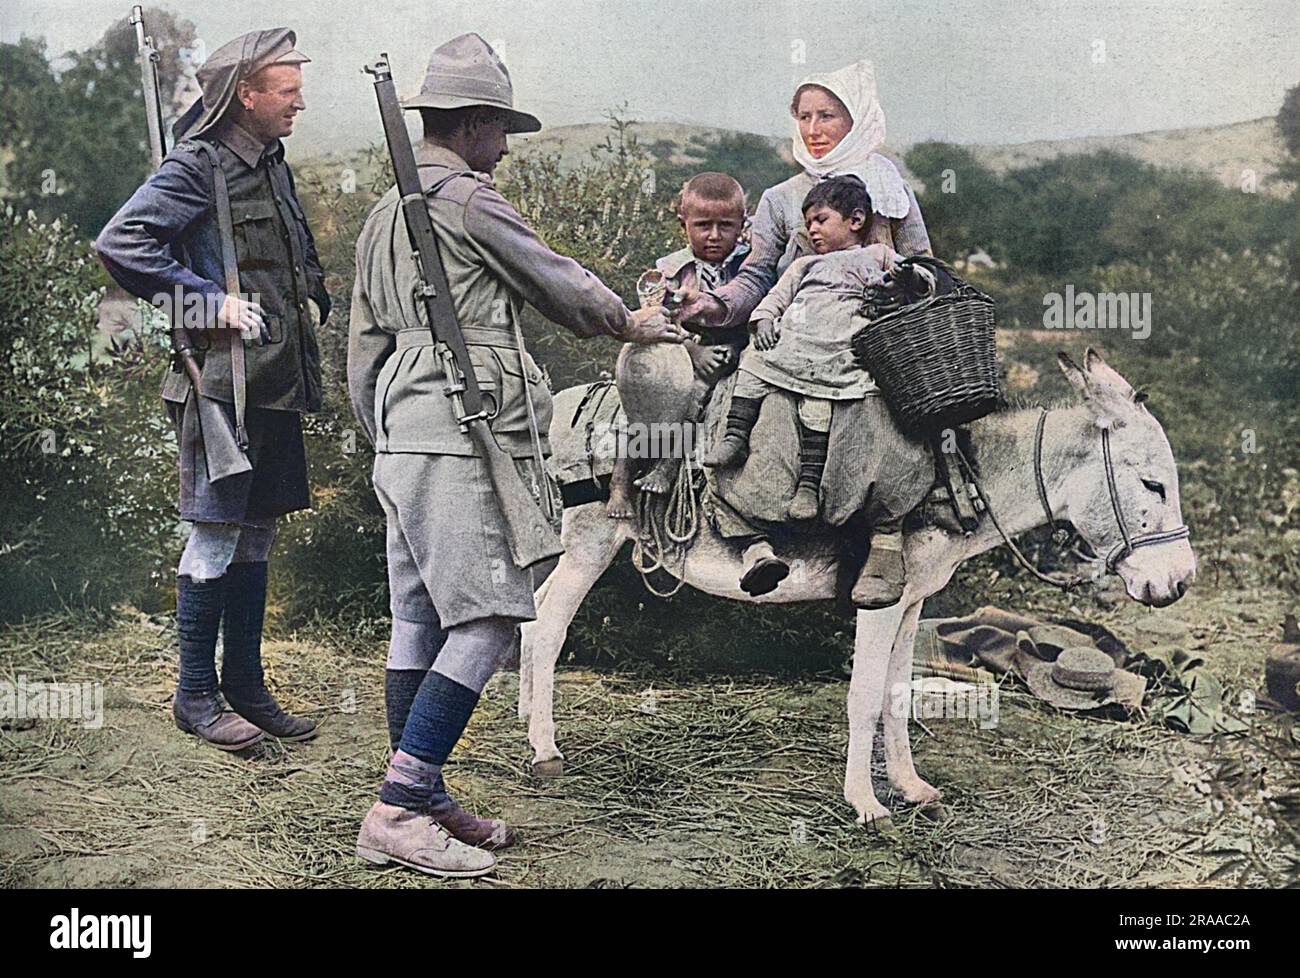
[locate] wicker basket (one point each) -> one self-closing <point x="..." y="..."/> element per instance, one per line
<point x="935" y="360"/>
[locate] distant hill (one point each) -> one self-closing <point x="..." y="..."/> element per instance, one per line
<point x="1222" y="152"/>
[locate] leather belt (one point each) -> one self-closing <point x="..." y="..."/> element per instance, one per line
<point x="474" y="336"/>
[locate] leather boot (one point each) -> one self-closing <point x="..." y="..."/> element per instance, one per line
<point x="242" y="680"/>
<point x="196" y="707"/>
<point x="391" y="834"/>
<point x="418" y="785"/>
<point x="764" y="570"/>
<point x="733" y="449"/>
<point x="884" y="576"/>
<point x="205" y="716"/>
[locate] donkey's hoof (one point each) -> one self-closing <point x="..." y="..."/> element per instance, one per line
<point x="552" y="767"/>
<point x="881" y="825"/>
<point x="933" y="812"/>
<point x="919" y="793"/>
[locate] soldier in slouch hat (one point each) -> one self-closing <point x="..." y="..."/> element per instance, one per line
<point x="217" y="236"/>
<point x="457" y="596"/>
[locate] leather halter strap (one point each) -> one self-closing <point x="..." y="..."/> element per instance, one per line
<point x="1128" y="543"/>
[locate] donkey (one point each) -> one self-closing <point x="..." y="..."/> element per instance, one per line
<point x="1102" y="463"/>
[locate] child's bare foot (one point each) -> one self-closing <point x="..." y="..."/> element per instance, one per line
<point x="660" y="478"/>
<point x="620" y="505"/>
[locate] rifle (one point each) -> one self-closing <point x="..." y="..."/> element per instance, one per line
<point x="528" y="532"/>
<point x="149" y="79"/>
<point x="223" y="453"/>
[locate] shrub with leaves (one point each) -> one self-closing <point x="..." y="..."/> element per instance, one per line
<point x="86" y="449"/>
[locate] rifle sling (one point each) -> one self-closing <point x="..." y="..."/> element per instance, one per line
<point x="226" y="230"/>
<point x="437" y="298"/>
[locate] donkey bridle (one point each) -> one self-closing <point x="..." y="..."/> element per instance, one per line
<point x="1128" y="542"/>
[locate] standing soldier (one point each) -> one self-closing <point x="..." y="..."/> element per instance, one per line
<point x="217" y="236"/>
<point x="456" y="595"/>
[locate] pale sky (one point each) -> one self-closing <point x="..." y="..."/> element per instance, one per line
<point x="967" y="71"/>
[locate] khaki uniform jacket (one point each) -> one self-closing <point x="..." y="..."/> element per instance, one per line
<point x="494" y="263"/>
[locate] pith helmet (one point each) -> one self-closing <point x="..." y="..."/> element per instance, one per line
<point x="466" y="71"/>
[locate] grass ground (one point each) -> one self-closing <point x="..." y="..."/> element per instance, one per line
<point x="729" y="780"/>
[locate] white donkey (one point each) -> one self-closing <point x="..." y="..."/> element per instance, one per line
<point x="1103" y="464"/>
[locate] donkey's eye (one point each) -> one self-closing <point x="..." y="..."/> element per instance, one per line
<point x="1156" y="487"/>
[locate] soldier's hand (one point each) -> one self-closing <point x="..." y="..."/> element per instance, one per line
<point x="650" y="325"/>
<point x="247" y="317"/>
<point x="696" y="306"/>
<point x="767" y="335"/>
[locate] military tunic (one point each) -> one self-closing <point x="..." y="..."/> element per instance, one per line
<point x="448" y="558"/>
<point x="164" y="246"/>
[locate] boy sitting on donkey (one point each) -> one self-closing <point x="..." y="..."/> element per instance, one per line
<point x="711" y="210"/>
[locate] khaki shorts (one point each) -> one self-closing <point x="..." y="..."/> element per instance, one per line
<point x="448" y="558"/>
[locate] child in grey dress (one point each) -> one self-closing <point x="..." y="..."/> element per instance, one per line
<point x="802" y="330"/>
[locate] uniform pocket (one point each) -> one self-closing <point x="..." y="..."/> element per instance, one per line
<point x="274" y="328"/>
<point x="257" y="239"/>
<point x="487" y="371"/>
<point x="517" y="382"/>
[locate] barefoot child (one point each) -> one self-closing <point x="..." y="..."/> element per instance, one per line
<point x="712" y="213"/>
<point x="801" y="332"/>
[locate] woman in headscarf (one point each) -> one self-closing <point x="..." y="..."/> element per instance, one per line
<point x="839" y="129"/>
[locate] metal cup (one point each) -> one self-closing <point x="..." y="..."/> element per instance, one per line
<point x="651" y="288"/>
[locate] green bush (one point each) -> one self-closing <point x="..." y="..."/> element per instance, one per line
<point x="1069" y="214"/>
<point x="85" y="451"/>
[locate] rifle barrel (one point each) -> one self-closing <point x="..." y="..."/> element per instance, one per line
<point x="149" y="82"/>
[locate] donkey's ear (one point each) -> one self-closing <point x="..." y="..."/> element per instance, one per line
<point x="1073" y="373"/>
<point x="1106" y="399"/>
<point x="1103" y="375"/>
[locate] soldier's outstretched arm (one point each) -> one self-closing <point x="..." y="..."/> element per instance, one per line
<point x="556" y="286"/>
<point x="134" y="245"/>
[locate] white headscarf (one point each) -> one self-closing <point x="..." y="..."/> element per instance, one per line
<point x="856" y="153"/>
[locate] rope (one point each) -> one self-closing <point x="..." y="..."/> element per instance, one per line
<point x="1066" y="584"/>
<point x="666" y="531"/>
